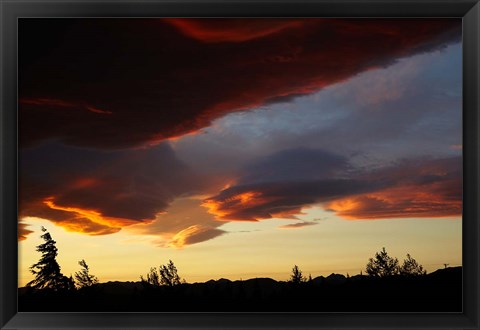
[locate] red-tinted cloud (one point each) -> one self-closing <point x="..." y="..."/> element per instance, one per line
<point x="439" y="199"/>
<point x="423" y="188"/>
<point x="281" y="199"/>
<point x="63" y="105"/>
<point x="234" y="30"/>
<point x="411" y="188"/>
<point x="130" y="82"/>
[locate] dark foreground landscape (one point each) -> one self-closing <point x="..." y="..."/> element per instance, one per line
<point x="439" y="291"/>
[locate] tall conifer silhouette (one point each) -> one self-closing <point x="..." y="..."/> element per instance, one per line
<point x="47" y="270"/>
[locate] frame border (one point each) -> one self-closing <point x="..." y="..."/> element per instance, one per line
<point x="11" y="10"/>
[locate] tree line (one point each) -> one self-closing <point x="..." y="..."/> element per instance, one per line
<point x="49" y="276"/>
<point x="382" y="265"/>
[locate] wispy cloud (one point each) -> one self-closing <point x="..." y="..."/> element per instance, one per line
<point x="298" y="225"/>
<point x="194" y="234"/>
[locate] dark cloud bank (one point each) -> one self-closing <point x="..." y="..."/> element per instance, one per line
<point x="116" y="83"/>
<point x="69" y="185"/>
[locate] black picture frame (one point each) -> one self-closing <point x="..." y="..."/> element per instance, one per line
<point x="11" y="10"/>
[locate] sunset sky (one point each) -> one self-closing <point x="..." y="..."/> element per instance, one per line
<point x="239" y="147"/>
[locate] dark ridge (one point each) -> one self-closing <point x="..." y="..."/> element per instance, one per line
<point x="439" y="291"/>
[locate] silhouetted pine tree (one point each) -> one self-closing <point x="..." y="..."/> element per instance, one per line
<point x="382" y="265"/>
<point x="410" y="267"/>
<point x="297" y="276"/>
<point x="46" y="270"/>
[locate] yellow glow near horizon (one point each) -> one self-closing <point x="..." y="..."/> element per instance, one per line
<point x="253" y="249"/>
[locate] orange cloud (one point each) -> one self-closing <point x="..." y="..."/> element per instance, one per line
<point x="409" y="188"/>
<point x="93" y="216"/>
<point x="225" y="209"/>
<point x="71" y="219"/>
<point x="194" y="234"/>
<point x="438" y="199"/>
<point x="99" y="193"/>
<point x="23" y="232"/>
<point x="78" y="224"/>
<point x="75" y="219"/>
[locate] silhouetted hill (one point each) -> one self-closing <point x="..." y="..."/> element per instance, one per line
<point x="336" y="278"/>
<point x="358" y="277"/>
<point x="449" y="271"/>
<point x="119" y="288"/>
<point x="318" y="280"/>
<point x="439" y="291"/>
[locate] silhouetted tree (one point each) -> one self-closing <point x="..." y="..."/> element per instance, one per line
<point x="167" y="275"/>
<point x="410" y="267"/>
<point x="152" y="277"/>
<point x="83" y="277"/>
<point x="382" y="265"/>
<point x="47" y="270"/>
<point x="297" y="276"/>
<point x="71" y="284"/>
